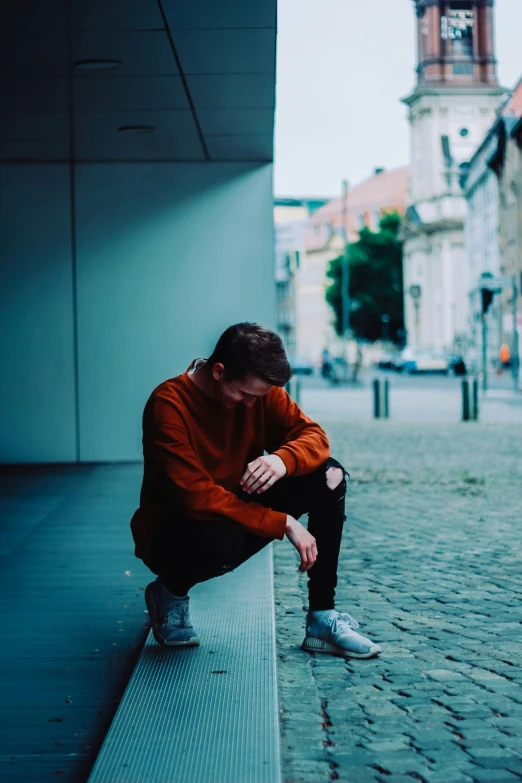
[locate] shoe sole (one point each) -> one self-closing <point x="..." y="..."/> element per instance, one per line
<point x="311" y="644"/>
<point x="151" y="606"/>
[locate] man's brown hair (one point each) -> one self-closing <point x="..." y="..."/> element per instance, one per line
<point x="250" y="349"/>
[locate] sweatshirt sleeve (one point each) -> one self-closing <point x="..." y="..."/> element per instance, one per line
<point x="300" y="442"/>
<point x="196" y="491"/>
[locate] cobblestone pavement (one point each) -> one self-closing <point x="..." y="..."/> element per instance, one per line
<point x="431" y="567"/>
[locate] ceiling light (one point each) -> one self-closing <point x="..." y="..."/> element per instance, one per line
<point x="137" y="129"/>
<point x="97" y="65"/>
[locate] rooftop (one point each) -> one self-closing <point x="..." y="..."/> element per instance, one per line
<point x="384" y="191"/>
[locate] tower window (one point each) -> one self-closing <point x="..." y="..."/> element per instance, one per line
<point x="464" y="132"/>
<point x="457" y="28"/>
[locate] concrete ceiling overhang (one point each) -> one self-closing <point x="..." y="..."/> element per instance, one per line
<point x="196" y="80"/>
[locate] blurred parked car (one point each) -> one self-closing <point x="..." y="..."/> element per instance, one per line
<point x="301" y="365"/>
<point x="400" y="359"/>
<point x="427" y="361"/>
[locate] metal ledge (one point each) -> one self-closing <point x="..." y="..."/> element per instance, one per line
<point x="205" y="714"/>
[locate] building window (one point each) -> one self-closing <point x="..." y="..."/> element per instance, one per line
<point x="457" y="28"/>
<point x="464" y="132"/>
<point x="361" y="221"/>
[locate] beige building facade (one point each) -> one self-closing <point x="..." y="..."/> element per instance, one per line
<point x="482" y="233"/>
<point x="290" y="222"/>
<point x="508" y="167"/>
<point x="493" y="190"/>
<point x="364" y="205"/>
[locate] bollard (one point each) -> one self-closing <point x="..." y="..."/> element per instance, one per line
<point x="376" y="399"/>
<point x="297" y="391"/>
<point x="381" y="402"/>
<point x="293" y="387"/>
<point x="475" y="399"/>
<point x="465" y="400"/>
<point x="386" y="399"/>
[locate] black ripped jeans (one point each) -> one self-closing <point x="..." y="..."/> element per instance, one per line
<point x="195" y="551"/>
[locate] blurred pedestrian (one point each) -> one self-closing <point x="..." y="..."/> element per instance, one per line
<point x="357" y="363"/>
<point x="327" y="365"/>
<point x="505" y="356"/>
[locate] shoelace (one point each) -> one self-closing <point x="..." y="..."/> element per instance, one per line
<point x="177" y="616"/>
<point x="342" y="617"/>
<point x="343" y="621"/>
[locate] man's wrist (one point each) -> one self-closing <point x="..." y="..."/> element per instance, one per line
<point x="281" y="460"/>
<point x="288" y="460"/>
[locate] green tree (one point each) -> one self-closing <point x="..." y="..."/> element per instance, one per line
<point x="375" y="282"/>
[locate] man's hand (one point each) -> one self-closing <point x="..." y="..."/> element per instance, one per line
<point x="262" y="473"/>
<point x="303" y="541"/>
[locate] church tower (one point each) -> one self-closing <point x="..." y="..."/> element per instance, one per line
<point x="450" y="111"/>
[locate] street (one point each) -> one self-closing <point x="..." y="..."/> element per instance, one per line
<point x="413" y="398"/>
<point x="430" y="566"/>
<point x="407" y="381"/>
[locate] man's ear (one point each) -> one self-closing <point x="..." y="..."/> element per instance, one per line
<point x="218" y="371"/>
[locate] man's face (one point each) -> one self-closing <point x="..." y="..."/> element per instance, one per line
<point x="245" y="391"/>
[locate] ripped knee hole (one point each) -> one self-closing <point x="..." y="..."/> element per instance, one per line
<point x="334" y="476"/>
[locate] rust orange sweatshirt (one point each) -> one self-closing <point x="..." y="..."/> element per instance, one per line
<point x="196" y="451"/>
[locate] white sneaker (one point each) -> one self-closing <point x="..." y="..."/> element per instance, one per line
<point x="337" y="636"/>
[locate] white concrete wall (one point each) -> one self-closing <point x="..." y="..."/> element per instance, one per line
<point x="438" y="265"/>
<point x="37" y="386"/>
<point x="168" y="256"/>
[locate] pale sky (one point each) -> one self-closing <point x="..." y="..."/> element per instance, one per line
<point x="342" y="67"/>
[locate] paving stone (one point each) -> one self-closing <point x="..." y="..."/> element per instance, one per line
<point x="481" y="742"/>
<point x="433" y="571"/>
<point x="358" y="775"/>
<point x="356" y="758"/>
<point x="442" y="675"/>
<point x="384" y="745"/>
<point x="494" y="776"/>
<point x="472" y="711"/>
<point x="397" y="779"/>
<point x="401" y="763"/>
<point x="479" y="735"/>
<point x="453" y="776"/>
<point x="515" y="765"/>
<point x="449" y="754"/>
<point x="506" y="762"/>
<point x="487" y="752"/>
